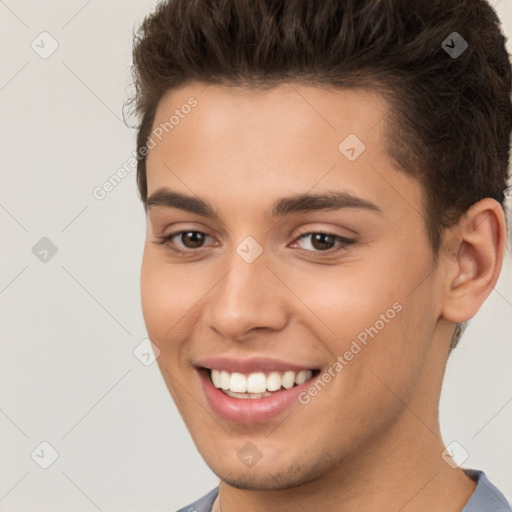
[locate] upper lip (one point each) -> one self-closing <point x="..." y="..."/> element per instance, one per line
<point x="251" y="365"/>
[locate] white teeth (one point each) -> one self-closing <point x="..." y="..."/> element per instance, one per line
<point x="248" y="395"/>
<point x="224" y="380"/>
<point x="238" y="383"/>
<point x="216" y="378"/>
<point x="256" y="385"/>
<point x="273" y="381"/>
<point x="288" y="380"/>
<point x="301" y="377"/>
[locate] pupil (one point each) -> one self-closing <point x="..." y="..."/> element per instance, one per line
<point x="322" y="237"/>
<point x="194" y="237"/>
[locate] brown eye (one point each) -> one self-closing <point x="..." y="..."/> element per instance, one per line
<point x="324" y="242"/>
<point x="192" y="239"/>
<point x="321" y="241"/>
<point x="184" y="242"/>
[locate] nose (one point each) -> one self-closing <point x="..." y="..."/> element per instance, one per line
<point x="248" y="297"/>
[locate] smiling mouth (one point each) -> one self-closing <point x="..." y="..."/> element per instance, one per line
<point x="258" y="384"/>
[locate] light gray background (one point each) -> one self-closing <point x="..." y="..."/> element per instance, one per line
<point x="69" y="326"/>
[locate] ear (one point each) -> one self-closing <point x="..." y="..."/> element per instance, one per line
<point x="473" y="254"/>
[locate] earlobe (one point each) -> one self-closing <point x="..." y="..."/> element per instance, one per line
<point x="474" y="260"/>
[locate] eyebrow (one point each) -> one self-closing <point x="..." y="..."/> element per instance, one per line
<point x="281" y="207"/>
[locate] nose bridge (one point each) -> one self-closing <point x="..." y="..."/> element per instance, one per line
<point x="246" y="296"/>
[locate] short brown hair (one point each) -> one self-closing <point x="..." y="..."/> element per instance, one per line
<point x="451" y="117"/>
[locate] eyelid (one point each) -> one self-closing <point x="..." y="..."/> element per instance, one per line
<point x="166" y="239"/>
<point x="325" y="231"/>
<point x="345" y="241"/>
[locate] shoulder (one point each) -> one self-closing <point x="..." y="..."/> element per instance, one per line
<point x="203" y="504"/>
<point x="487" y="497"/>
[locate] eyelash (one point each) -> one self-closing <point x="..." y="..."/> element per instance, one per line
<point x="163" y="240"/>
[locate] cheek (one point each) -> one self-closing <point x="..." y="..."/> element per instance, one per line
<point x="159" y="297"/>
<point x="366" y="317"/>
<point x="169" y="294"/>
<point x="346" y="300"/>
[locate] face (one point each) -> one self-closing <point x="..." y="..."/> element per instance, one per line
<point x="297" y="253"/>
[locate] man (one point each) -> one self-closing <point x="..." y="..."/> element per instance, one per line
<point x="324" y="185"/>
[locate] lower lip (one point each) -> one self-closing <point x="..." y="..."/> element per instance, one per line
<point x="250" y="410"/>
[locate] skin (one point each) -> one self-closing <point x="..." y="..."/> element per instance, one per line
<point x="370" y="439"/>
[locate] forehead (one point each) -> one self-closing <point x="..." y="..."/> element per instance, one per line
<point x="251" y="143"/>
<point x="289" y="110"/>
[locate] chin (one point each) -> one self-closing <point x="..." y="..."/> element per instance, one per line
<point x="270" y="476"/>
